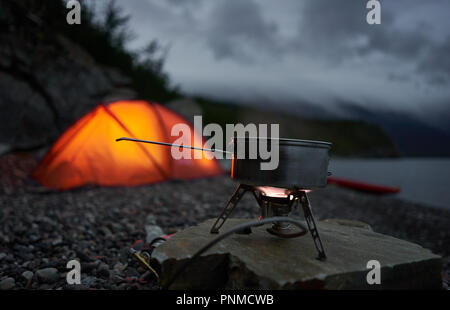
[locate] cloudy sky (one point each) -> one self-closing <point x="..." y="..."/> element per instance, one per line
<point x="318" y="51"/>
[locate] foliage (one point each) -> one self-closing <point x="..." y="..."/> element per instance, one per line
<point x="104" y="37"/>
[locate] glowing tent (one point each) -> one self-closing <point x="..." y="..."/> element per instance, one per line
<point x="87" y="152"/>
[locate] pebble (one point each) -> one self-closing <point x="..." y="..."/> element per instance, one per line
<point x="117" y="227"/>
<point x="106" y="232"/>
<point x="89" y="281"/>
<point x="57" y="241"/>
<point x="147" y="276"/>
<point x="7" y="284"/>
<point x="4" y="238"/>
<point x="83" y="256"/>
<point x="132" y="272"/>
<point x="150" y="219"/>
<point x="103" y="271"/>
<point x="88" y="267"/>
<point x="27" y="275"/>
<point x="9" y="258"/>
<point x="119" y="267"/>
<point x="48" y="275"/>
<point x="152" y="232"/>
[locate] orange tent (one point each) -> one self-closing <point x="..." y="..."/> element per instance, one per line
<point x="87" y="152"/>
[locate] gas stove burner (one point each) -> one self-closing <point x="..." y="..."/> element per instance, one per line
<point x="276" y="202"/>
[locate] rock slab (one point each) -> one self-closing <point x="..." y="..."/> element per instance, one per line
<point x="262" y="261"/>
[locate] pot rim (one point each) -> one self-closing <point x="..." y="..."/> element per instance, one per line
<point x="287" y="141"/>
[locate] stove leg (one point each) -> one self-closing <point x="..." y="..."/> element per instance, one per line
<point x="229" y="207"/>
<point x="312" y="226"/>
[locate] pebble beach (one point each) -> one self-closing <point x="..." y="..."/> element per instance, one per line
<point x="41" y="229"/>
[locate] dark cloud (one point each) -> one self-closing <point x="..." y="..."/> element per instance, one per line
<point x="337" y="31"/>
<point x="169" y="18"/>
<point x="231" y="29"/>
<point x="317" y="50"/>
<point x="436" y="65"/>
<point x="333" y="28"/>
<point x="186" y="3"/>
<point x="238" y="30"/>
<point x="329" y="31"/>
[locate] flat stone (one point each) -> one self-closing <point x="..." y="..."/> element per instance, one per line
<point x="351" y="223"/>
<point x="263" y="261"/>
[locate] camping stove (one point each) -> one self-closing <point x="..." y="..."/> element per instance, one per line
<point x="304" y="166"/>
<point x="275" y="202"/>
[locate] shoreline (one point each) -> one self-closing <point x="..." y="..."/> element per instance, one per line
<point x="421" y="180"/>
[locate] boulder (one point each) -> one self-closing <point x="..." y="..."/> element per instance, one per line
<point x="262" y="261"/>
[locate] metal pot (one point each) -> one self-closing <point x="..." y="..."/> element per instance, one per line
<point x="302" y="164"/>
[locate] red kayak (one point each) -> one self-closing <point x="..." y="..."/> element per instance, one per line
<point x="364" y="187"/>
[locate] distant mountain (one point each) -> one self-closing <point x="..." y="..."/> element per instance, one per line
<point x="350" y="138"/>
<point x="359" y="131"/>
<point x="301" y="108"/>
<point x="411" y="136"/>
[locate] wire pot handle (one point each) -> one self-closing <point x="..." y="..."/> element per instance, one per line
<point x="172" y="144"/>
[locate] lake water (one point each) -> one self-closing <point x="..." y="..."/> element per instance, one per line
<point x="421" y="180"/>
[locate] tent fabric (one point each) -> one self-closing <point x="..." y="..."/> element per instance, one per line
<point x="87" y="152"/>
